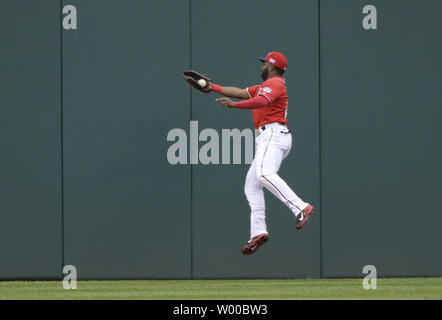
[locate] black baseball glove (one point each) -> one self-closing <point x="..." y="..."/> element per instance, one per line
<point x="192" y="77"/>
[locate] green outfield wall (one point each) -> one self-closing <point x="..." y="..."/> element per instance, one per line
<point x="30" y="140"/>
<point x="110" y="162"/>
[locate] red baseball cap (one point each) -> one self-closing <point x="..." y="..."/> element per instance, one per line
<point x="277" y="59"/>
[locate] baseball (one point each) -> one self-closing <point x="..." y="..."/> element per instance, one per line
<point x="202" y="83"/>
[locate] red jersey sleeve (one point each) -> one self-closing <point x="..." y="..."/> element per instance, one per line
<point x="252" y="91"/>
<point x="271" y="89"/>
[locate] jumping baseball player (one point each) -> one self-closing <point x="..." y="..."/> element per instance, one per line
<point x="268" y="103"/>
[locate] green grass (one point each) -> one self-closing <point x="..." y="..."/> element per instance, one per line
<point x="387" y="288"/>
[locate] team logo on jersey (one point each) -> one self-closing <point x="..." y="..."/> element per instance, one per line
<point x="267" y="89"/>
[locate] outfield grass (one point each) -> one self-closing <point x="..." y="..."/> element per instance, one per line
<point x="387" y="288"/>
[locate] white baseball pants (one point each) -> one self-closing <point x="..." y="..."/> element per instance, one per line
<point x="272" y="146"/>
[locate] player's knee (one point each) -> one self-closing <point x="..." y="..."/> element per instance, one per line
<point x="246" y="190"/>
<point x="252" y="190"/>
<point x="249" y="191"/>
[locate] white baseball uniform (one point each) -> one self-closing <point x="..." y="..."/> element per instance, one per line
<point x="273" y="144"/>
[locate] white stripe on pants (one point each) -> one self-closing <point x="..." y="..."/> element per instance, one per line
<point x="272" y="146"/>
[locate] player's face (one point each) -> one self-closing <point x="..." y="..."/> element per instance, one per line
<point x="265" y="70"/>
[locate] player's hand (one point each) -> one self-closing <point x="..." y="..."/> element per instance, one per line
<point x="226" y="102"/>
<point x="209" y="86"/>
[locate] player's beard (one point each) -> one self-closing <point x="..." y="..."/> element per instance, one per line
<point x="265" y="74"/>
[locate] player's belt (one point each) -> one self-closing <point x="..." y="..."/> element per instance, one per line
<point x="273" y="124"/>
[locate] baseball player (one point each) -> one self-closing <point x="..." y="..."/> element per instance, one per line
<point x="268" y="103"/>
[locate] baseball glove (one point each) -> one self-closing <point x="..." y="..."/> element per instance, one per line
<point x="192" y="77"/>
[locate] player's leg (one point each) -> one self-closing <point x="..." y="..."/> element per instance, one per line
<point x="276" y="148"/>
<point x="255" y="196"/>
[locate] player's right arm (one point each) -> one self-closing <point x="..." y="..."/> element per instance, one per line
<point x="231" y="92"/>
